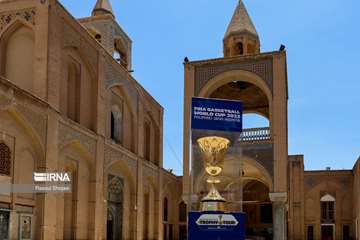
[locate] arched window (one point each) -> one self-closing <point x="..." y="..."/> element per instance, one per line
<point x="182" y="212"/>
<point x="115" y="207"/>
<point x="240" y="46"/>
<point x="157" y="147"/>
<point x="327" y="209"/>
<point x="147" y="142"/>
<point x="5" y="159"/>
<point x="112" y="126"/>
<point x="165" y="210"/>
<point x="116" y="124"/>
<point x="73" y="91"/>
<point x="18" y="58"/>
<point x="119" y="53"/>
<point x="98" y="37"/>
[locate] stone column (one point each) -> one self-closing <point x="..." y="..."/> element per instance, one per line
<point x="14" y="225"/>
<point x="140" y="201"/>
<point x="160" y="207"/>
<point x="47" y="211"/>
<point x="189" y="74"/>
<point x="97" y="201"/>
<point x="279" y="215"/>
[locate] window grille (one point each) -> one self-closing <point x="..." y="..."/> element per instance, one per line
<point x="5" y="159"/>
<point x="327" y="211"/>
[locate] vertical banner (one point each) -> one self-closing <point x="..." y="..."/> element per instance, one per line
<point x="222" y="118"/>
<point x="213" y="123"/>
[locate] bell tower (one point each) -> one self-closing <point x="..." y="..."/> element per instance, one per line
<point x="259" y="81"/>
<point x="241" y="37"/>
<point x="108" y="32"/>
<point x="102" y="7"/>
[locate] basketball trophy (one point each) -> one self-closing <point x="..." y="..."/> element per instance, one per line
<point x="213" y="150"/>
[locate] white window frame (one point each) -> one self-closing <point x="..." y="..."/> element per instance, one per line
<point x="20" y="226"/>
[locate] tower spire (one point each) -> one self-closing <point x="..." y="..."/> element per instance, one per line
<point x="102" y="7"/>
<point x="241" y="21"/>
<point x="242" y="33"/>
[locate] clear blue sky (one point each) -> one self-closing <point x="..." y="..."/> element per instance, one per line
<point x="323" y="46"/>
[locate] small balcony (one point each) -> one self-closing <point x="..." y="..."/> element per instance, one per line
<point x="256" y="135"/>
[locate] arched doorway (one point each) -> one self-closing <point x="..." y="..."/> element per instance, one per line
<point x="115" y="208"/>
<point x="258" y="209"/>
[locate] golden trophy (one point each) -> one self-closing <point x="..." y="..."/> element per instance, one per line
<point x="213" y="150"/>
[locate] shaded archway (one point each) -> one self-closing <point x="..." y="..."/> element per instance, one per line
<point x="78" y="87"/>
<point x="253" y="98"/>
<point x="169" y="213"/>
<point x="27" y="154"/>
<point x="17" y="52"/>
<point x="258" y="209"/>
<point x="151" y="208"/>
<point x="75" y="208"/>
<point x="120" y="195"/>
<point x="115" y="207"/>
<point x="122" y="108"/>
<point x="240" y="85"/>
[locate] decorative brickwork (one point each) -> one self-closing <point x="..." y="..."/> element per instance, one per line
<point x="112" y="155"/>
<point x="67" y="134"/>
<point x="113" y="75"/>
<point x="82" y="42"/>
<point x="36" y="120"/>
<point x="150" y="169"/>
<point x="311" y="181"/>
<point x="7" y="18"/>
<point x="262" y="68"/>
<point x="116" y="75"/>
<point x="31" y="112"/>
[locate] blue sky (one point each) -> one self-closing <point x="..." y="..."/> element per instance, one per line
<point x="323" y="46"/>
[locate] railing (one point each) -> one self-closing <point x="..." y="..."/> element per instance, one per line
<point x="256" y="135"/>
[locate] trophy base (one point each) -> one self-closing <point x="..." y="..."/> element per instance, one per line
<point x="213" y="206"/>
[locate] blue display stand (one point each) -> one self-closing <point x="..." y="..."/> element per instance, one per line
<point x="216" y="226"/>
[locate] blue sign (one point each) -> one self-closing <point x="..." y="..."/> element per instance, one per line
<point x="216" y="226"/>
<point x="216" y="114"/>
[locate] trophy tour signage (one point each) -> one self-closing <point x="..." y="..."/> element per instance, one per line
<point x="216" y="114"/>
<point x="212" y="120"/>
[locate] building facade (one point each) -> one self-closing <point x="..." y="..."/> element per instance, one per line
<point x="68" y="103"/>
<point x="280" y="198"/>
